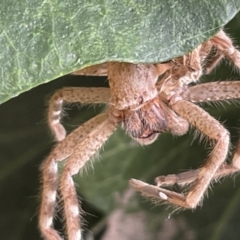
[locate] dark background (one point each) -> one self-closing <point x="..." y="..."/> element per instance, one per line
<point x="109" y="203"/>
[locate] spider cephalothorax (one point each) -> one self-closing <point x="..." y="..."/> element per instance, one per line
<point x="147" y="99"/>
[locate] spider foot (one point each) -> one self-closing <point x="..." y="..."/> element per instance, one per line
<point x="159" y="194"/>
<point x="181" y="179"/>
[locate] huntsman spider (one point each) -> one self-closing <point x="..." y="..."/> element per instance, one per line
<point x="146" y="99"/>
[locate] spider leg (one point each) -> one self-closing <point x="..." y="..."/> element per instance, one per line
<point x="163" y="67"/>
<point x="233" y="167"/>
<point x="189" y="68"/>
<point x="70" y="95"/>
<point x="62" y="151"/>
<point x="179" y="72"/>
<point x="186" y="178"/>
<point x="213" y="62"/>
<point x="215" y="91"/>
<point x="226" y="48"/>
<point x="176" y="125"/>
<point x="157" y="193"/>
<point x="81" y="154"/>
<point x="95" y="70"/>
<point x="193" y="68"/>
<point x="207" y="92"/>
<point x="215" y="131"/>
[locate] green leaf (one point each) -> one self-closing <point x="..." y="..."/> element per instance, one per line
<point x="42" y="40"/>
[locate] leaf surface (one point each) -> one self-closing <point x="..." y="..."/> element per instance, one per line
<point x="42" y="40"/>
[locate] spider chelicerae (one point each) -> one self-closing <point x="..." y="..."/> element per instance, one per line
<point x="146" y="99"/>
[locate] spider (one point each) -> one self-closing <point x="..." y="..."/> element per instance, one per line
<point x="146" y="99"/>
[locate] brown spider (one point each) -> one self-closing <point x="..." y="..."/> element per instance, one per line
<point x="146" y="107"/>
